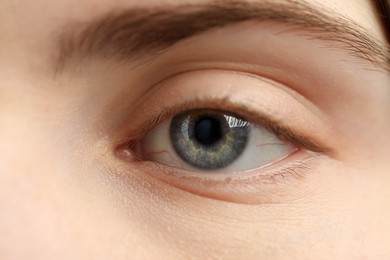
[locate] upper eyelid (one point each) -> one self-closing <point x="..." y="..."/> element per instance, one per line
<point x="158" y="104"/>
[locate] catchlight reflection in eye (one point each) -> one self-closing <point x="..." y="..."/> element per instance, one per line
<point x="212" y="140"/>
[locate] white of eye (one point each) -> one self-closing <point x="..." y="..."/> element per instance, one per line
<point x="263" y="148"/>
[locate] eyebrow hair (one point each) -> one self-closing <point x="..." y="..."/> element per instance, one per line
<point x="134" y="33"/>
<point x="383" y="7"/>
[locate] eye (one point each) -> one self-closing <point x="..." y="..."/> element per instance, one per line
<point x="212" y="141"/>
<point x="241" y="139"/>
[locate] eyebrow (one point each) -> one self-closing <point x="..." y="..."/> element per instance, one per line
<point x="134" y="33"/>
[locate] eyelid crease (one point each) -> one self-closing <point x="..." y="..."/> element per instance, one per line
<point x="283" y="132"/>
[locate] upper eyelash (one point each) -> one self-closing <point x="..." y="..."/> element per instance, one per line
<point x="224" y="104"/>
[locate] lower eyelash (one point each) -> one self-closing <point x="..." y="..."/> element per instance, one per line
<point x="295" y="170"/>
<point x="257" y="186"/>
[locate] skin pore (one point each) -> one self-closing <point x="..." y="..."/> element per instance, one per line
<point x="84" y="89"/>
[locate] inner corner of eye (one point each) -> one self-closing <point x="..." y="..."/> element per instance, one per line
<point x="127" y="151"/>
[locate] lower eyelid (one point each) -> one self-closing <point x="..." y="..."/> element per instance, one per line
<point x="274" y="184"/>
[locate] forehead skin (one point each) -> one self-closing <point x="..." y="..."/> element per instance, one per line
<point x="55" y="205"/>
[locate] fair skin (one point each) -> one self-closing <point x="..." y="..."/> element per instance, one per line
<point x="71" y="189"/>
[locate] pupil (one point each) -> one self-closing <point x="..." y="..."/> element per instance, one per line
<point x="208" y="131"/>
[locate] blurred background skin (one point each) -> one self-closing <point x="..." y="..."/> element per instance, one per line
<point x="65" y="195"/>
